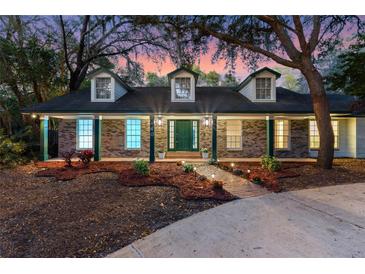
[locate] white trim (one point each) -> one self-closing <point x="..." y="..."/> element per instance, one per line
<point x="272" y="89"/>
<point x="92" y="133"/>
<point x="125" y="135"/>
<point x="183" y="74"/>
<point x="241" y="136"/>
<point x="289" y="136"/>
<point x="93" y="88"/>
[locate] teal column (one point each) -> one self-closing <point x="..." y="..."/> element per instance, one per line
<point x="43" y="127"/>
<point x="152" y="138"/>
<point x="214" y="138"/>
<point x="270" y="136"/>
<point x="97" y="139"/>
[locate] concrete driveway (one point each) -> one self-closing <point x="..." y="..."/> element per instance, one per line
<point x="322" y="222"/>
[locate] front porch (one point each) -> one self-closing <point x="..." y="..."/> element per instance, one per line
<point x="228" y="138"/>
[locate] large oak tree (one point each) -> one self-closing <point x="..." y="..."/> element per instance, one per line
<point x="293" y="41"/>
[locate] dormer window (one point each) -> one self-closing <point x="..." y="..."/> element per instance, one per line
<point x="103" y="88"/>
<point x="263" y="88"/>
<point x="182" y="88"/>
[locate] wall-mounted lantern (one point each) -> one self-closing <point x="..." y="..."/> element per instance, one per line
<point x="206" y="121"/>
<point x="159" y="120"/>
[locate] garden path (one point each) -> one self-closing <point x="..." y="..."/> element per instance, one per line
<point x="236" y="185"/>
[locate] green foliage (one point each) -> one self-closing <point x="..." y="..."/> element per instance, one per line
<point x="153" y="80"/>
<point x="348" y="73"/>
<point x="141" y="167"/>
<point x="270" y="163"/>
<point x="230" y="80"/>
<point x="204" y="150"/>
<point x="11" y="151"/>
<point x="212" y="78"/>
<point x="188" y="168"/>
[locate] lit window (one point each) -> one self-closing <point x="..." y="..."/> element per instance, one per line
<point x="195" y="134"/>
<point x="263" y="88"/>
<point x="281" y="134"/>
<point x="172" y="134"/>
<point x="133" y="134"/>
<point x="103" y="88"/>
<point x="84" y="134"/>
<point x="314" y="134"/>
<point x="182" y="88"/>
<point x="234" y="134"/>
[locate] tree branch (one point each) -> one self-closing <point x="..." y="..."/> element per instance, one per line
<point x="314" y="38"/>
<point x="65" y="45"/>
<point x="300" y="34"/>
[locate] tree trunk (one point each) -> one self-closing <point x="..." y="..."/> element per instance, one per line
<point x="322" y="114"/>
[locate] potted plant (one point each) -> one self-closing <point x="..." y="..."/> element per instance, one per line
<point x="161" y="154"/>
<point x="205" y="153"/>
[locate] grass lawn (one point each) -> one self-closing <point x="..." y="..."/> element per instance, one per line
<point x="89" y="216"/>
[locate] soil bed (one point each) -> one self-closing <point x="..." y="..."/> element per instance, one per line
<point x="89" y="216"/>
<point x="296" y="176"/>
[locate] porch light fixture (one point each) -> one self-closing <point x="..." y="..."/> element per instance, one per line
<point x="159" y="121"/>
<point x="206" y="121"/>
<point x="34" y="116"/>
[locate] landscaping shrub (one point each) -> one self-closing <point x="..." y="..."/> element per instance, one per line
<point x="212" y="162"/>
<point x="67" y="156"/>
<point x="217" y="185"/>
<point x="141" y="167"/>
<point x="204" y="150"/>
<point x="11" y="151"/>
<point x="257" y="181"/>
<point x="85" y="156"/>
<point x="237" y="172"/>
<point x="188" y="168"/>
<point x="270" y="163"/>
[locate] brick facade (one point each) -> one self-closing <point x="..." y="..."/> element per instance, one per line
<point x="253" y="138"/>
<point x="299" y="139"/>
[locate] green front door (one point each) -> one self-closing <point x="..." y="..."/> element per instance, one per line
<point x="183" y="135"/>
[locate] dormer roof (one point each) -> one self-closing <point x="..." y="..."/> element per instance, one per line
<point x="112" y="74"/>
<point x="176" y="71"/>
<point x="253" y="75"/>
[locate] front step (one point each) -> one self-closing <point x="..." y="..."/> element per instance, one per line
<point x="183" y="155"/>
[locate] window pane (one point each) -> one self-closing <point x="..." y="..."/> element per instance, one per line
<point x="103" y="88"/>
<point x="133" y="134"/>
<point x="85" y="133"/>
<point x="195" y="134"/>
<point x="234" y="134"/>
<point x="314" y="134"/>
<point x="281" y="134"/>
<point x="182" y="88"/>
<point x="263" y="88"/>
<point x="172" y="134"/>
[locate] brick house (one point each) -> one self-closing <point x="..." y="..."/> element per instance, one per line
<point x="247" y="121"/>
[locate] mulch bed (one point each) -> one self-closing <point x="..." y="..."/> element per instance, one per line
<point x="296" y="176"/>
<point x="89" y="216"/>
<point x="190" y="185"/>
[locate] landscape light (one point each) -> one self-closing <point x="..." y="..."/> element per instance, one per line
<point x="248" y="171"/>
<point x="34" y="116"/>
<point x="232" y="164"/>
<point x="213" y="176"/>
<point x="183" y="162"/>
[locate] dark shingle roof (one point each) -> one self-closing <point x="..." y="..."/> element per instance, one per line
<point x="208" y="100"/>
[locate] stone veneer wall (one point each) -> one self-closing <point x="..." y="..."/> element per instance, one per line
<point x="66" y="136"/>
<point x="113" y="139"/>
<point x="253" y="139"/>
<point x="299" y="138"/>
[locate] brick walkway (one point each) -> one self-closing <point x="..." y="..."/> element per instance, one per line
<point x="237" y="186"/>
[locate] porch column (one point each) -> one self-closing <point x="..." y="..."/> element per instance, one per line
<point x="214" y="138"/>
<point x="152" y="138"/>
<point x="97" y="136"/>
<point x="269" y="136"/>
<point x="43" y="127"/>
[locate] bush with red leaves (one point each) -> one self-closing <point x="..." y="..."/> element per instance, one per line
<point x="85" y="156"/>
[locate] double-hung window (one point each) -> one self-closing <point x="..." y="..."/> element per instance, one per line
<point x="282" y="134"/>
<point x="182" y="88"/>
<point x="314" y="134"/>
<point x="133" y="133"/>
<point x="84" y="134"/>
<point x="103" y="88"/>
<point x="263" y="88"/>
<point x="234" y="134"/>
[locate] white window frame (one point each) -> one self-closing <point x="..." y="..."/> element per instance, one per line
<point x="93" y="88"/>
<point x="271" y="88"/>
<point x="240" y="136"/>
<point x="126" y="134"/>
<point x="192" y="88"/>
<point x="78" y="136"/>
<point x="336" y="134"/>
<point x="288" y="135"/>
<point x="96" y="87"/>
